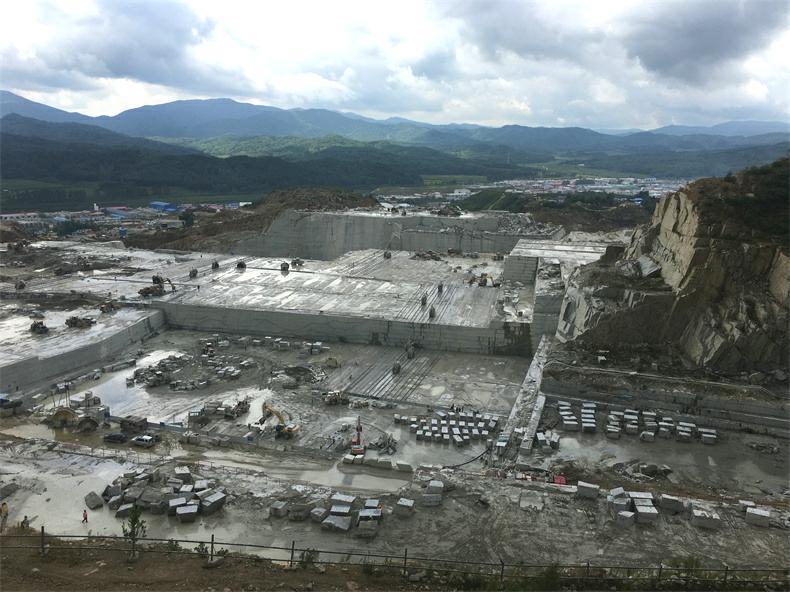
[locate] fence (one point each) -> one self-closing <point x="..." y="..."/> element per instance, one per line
<point x="586" y="575"/>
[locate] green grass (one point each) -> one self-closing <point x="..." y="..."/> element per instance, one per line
<point x="27" y="184"/>
<point x="571" y="169"/>
<point x="452" y="180"/>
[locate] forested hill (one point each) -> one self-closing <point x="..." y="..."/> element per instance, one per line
<point x="89" y="163"/>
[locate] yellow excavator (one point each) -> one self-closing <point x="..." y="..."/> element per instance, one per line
<point x="283" y="429"/>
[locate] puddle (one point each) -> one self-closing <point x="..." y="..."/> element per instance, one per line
<point x="330" y="476"/>
<point x="722" y="465"/>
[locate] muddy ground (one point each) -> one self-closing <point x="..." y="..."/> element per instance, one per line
<point x="496" y="517"/>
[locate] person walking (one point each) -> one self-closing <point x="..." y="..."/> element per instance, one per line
<point x="85" y="516"/>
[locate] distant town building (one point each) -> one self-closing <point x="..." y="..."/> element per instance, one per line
<point x="163" y="206"/>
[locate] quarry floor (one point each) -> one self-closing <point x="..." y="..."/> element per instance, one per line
<point x="519" y="521"/>
<point x="53" y="482"/>
<point x="522" y="521"/>
<point x="360" y="283"/>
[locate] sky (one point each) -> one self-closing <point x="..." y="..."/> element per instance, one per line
<point x="604" y="64"/>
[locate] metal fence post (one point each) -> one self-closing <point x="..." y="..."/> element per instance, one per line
<point x="42" y="539"/>
<point x="588" y="569"/>
<point x="291" y="562"/>
<point x="211" y="556"/>
<point x="502" y="574"/>
<point x="726" y="572"/>
<point x="660" y="567"/>
<point x="405" y="558"/>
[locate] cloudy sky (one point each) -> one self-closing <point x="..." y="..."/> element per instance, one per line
<point x="601" y="64"/>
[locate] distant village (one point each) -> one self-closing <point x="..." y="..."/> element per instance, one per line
<point x="117" y="221"/>
<point x="630" y="188"/>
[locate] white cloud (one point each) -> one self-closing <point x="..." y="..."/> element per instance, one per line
<point x="600" y="64"/>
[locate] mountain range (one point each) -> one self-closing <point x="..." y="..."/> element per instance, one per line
<point x="53" y="159"/>
<point x="217" y="117"/>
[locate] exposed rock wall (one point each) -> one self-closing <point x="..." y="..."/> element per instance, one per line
<point x="720" y="290"/>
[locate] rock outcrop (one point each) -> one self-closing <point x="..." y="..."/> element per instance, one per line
<point x="709" y="275"/>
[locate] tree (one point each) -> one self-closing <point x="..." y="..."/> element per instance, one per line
<point x="134" y="527"/>
<point x="188" y="216"/>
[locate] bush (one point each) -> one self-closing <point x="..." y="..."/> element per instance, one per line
<point x="549" y="579"/>
<point x="308" y="558"/>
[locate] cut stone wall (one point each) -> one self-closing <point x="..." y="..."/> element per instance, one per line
<point x="520" y="269"/>
<point x="327" y="235"/>
<point x="498" y="338"/>
<point x="25" y="373"/>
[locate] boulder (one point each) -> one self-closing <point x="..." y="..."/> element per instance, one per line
<point x="115" y="502"/>
<point x="123" y="511"/>
<point x="93" y="500"/>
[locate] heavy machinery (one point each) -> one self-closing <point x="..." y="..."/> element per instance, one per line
<point x="215" y="265"/>
<point x="284" y="266"/>
<point x="268" y="411"/>
<point x="356" y="440"/>
<point x="108" y="306"/>
<point x="76" y="322"/>
<point x="297" y="262"/>
<point x="384" y="443"/>
<point x="39" y="328"/>
<point x="335" y="398"/>
<point x="193" y="273"/>
<point x="157" y="288"/>
<point x="241" y="265"/>
<point x="286" y="430"/>
<point x="396" y="368"/>
<point x="21" y="246"/>
<point x="282" y="429"/>
<point x="20" y="285"/>
<point x="239" y="408"/>
<point x="153" y="290"/>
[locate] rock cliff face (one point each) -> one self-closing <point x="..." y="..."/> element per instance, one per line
<point x="709" y="275"/>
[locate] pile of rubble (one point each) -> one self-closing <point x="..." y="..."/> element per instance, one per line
<point x="161" y="373"/>
<point x="426" y="256"/>
<point x="447" y="210"/>
<point x="75" y="322"/>
<point x="293" y="376"/>
<point x="176" y="493"/>
<point x="518" y="223"/>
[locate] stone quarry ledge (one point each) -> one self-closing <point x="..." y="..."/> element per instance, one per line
<point x="342" y="301"/>
<point x="528" y="408"/>
<point x="578" y="253"/>
<point x="326" y="235"/>
<point x="262" y="288"/>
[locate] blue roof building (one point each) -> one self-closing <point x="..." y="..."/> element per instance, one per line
<point x="163" y="206"/>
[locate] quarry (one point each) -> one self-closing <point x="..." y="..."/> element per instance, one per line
<point x="474" y="386"/>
